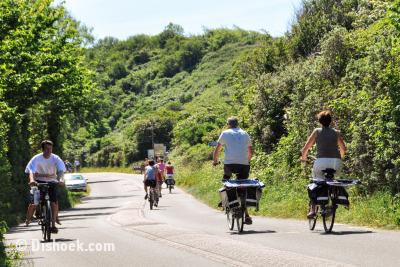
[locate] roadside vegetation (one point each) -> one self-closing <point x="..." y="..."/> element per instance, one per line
<point x="104" y="101"/>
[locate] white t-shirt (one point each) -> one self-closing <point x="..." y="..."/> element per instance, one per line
<point x="236" y="143"/>
<point x="39" y="164"/>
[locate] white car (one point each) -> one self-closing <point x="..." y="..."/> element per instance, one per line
<point x="75" y="182"/>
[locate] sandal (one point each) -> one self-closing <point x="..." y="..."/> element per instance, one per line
<point x="311" y="215"/>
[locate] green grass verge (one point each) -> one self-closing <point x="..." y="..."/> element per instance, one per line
<point x="288" y="199"/>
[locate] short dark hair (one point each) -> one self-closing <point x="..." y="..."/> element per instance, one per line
<point x="151" y="162"/>
<point x="232" y="121"/>
<point x="325" y="118"/>
<point x="46" y="142"/>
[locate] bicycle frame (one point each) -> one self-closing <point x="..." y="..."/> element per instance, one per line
<point x="45" y="211"/>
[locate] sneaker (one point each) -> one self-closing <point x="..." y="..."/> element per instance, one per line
<point x="146" y="196"/>
<point x="220" y="204"/>
<point x="54" y="230"/>
<point x="248" y="220"/>
<point x="160" y="195"/>
<point x="156" y="204"/>
<point x="27" y="223"/>
<point x="58" y="221"/>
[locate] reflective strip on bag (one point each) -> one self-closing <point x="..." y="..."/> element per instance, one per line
<point x="251" y="200"/>
<point x="233" y="202"/>
<point x="342" y="197"/>
<point x="322" y="198"/>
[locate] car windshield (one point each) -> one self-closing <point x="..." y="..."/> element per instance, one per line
<point x="74" y="177"/>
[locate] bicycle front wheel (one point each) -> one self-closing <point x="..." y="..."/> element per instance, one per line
<point x="328" y="217"/>
<point x="47" y="222"/>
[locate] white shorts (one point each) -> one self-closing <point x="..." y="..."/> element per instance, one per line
<point x="321" y="164"/>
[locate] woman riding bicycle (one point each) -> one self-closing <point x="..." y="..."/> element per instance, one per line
<point x="330" y="151"/>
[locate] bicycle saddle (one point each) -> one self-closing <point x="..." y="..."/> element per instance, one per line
<point x="329" y="173"/>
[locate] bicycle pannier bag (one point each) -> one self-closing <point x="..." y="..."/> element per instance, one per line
<point x="342" y="196"/>
<point x="170" y="181"/>
<point x="229" y="197"/>
<point x="252" y="196"/>
<point x="321" y="194"/>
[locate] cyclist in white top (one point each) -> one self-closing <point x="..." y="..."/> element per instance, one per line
<point x="238" y="153"/>
<point x="48" y="168"/>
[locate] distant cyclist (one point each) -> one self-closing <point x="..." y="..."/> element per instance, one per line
<point x="150" y="178"/>
<point x="169" y="169"/>
<point x="330" y="151"/>
<point x="68" y="165"/>
<point x="160" y="174"/>
<point x="238" y="153"/>
<point x="47" y="168"/>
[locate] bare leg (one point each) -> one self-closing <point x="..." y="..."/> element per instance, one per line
<point x="159" y="188"/>
<point x="54" y="210"/>
<point x="29" y="213"/>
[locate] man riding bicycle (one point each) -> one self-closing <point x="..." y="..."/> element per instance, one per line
<point x="238" y="153"/>
<point x="330" y="152"/>
<point x="47" y="168"/>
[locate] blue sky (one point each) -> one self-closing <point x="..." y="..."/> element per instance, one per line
<point x="124" y="18"/>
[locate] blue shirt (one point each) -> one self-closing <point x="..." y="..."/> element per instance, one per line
<point x="150" y="173"/>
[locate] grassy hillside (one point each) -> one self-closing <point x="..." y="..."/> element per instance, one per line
<point x="338" y="55"/>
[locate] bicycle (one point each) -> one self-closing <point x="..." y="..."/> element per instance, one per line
<point x="332" y="195"/>
<point x="153" y="197"/>
<point x="45" y="212"/>
<point x="236" y="196"/>
<point x="170" y="182"/>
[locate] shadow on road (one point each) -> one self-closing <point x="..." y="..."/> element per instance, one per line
<point x="19" y="229"/>
<point x="250" y="232"/>
<point x="348" y="233"/>
<point x="106" y="197"/>
<point x="98" y="208"/>
<point x="85" y="215"/>
<point x="104" y="181"/>
<point x="64" y="240"/>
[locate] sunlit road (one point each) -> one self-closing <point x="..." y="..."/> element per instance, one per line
<point x="114" y="227"/>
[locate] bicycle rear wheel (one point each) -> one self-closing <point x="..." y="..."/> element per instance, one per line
<point x="328" y="217"/>
<point x="240" y="220"/>
<point x="151" y="199"/>
<point x="170" y="188"/>
<point x="230" y="218"/>
<point x="313" y="221"/>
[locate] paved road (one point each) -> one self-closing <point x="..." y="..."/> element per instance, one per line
<point x="114" y="227"/>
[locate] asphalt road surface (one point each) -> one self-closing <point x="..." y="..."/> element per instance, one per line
<point x="115" y="227"/>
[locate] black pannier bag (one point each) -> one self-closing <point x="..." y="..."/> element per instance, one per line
<point x="229" y="197"/>
<point x="342" y="196"/>
<point x="318" y="194"/>
<point x="170" y="181"/>
<point x="253" y="196"/>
